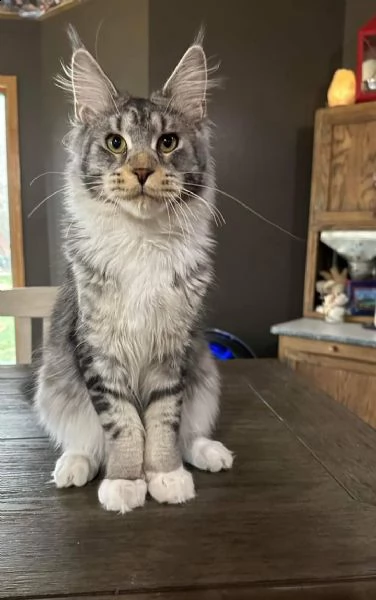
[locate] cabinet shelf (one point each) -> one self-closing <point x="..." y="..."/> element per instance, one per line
<point x="343" y="192"/>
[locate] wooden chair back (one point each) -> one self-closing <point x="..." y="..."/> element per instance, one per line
<point x="26" y="304"/>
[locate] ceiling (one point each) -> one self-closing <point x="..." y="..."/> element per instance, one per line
<point x="33" y="9"/>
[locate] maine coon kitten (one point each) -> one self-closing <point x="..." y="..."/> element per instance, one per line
<point x="127" y="380"/>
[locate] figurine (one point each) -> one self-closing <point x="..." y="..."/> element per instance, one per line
<point x="332" y="291"/>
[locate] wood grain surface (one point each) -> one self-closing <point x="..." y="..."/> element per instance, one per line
<point x="295" y="518"/>
<point x="347" y="373"/>
<point x="344" y="165"/>
<point x="343" y="192"/>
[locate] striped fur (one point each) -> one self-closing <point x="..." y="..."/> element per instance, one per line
<point x="127" y="380"/>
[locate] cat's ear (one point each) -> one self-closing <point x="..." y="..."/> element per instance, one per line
<point x="92" y="90"/>
<point x="187" y="85"/>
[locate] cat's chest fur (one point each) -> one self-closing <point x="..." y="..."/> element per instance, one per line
<point x="135" y="310"/>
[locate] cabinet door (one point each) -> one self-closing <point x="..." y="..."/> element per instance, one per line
<point x="347" y="374"/>
<point x="344" y="168"/>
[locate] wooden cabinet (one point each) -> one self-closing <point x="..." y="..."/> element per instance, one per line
<point x="344" y="371"/>
<point x="343" y="192"/>
<point x="343" y="196"/>
<point x="344" y="168"/>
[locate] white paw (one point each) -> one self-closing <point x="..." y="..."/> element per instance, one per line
<point x="122" y="495"/>
<point x="174" y="487"/>
<point x="209" y="455"/>
<point x="73" y="469"/>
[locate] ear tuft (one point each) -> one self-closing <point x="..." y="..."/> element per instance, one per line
<point x="74" y="38"/>
<point x="92" y="91"/>
<point x="186" y="86"/>
<point x="186" y="89"/>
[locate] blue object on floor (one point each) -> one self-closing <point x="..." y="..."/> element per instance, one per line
<point x="226" y="346"/>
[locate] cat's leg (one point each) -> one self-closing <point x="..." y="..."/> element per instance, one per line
<point x="168" y="480"/>
<point x="66" y="412"/>
<point x="199" y="414"/>
<point x="123" y="487"/>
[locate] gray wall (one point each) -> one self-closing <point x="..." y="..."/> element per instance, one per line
<point x="278" y="58"/>
<point x="120" y="37"/>
<point x="358" y="12"/>
<point x="20" y="55"/>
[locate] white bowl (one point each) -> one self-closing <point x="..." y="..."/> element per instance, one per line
<point x="352" y="245"/>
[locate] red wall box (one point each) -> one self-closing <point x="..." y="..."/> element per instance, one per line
<point x="366" y="50"/>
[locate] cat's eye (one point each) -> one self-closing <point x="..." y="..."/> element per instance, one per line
<point x="116" y="143"/>
<point x="167" y="143"/>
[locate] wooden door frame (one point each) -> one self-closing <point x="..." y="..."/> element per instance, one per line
<point x="8" y="86"/>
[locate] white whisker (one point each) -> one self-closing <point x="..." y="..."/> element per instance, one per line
<point x="46" y="173"/>
<point x="63" y="189"/>
<point x="186" y="205"/>
<point x="214" y="211"/>
<point x="188" y="225"/>
<point x="251" y="210"/>
<point x="173" y="206"/>
<point x="169" y="217"/>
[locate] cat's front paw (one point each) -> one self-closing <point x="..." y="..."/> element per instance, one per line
<point x="122" y="495"/>
<point x="174" y="487"/>
<point x="209" y="455"/>
<point x="73" y="470"/>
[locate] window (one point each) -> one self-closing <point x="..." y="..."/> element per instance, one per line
<point x="12" y="272"/>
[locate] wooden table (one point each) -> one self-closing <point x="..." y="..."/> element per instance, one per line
<point x="296" y="518"/>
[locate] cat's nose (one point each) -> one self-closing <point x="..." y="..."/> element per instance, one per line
<point x="142" y="174"/>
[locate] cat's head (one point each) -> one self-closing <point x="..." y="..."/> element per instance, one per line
<point x="141" y="157"/>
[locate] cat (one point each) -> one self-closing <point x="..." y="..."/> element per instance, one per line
<point x="127" y="381"/>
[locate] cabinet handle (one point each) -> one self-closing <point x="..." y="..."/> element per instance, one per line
<point x="333" y="348"/>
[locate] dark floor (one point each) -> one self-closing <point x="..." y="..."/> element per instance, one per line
<point x="296" y="518"/>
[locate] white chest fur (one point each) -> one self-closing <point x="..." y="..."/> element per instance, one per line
<point x="137" y="311"/>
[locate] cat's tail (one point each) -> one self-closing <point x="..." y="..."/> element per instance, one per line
<point x="30" y="383"/>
